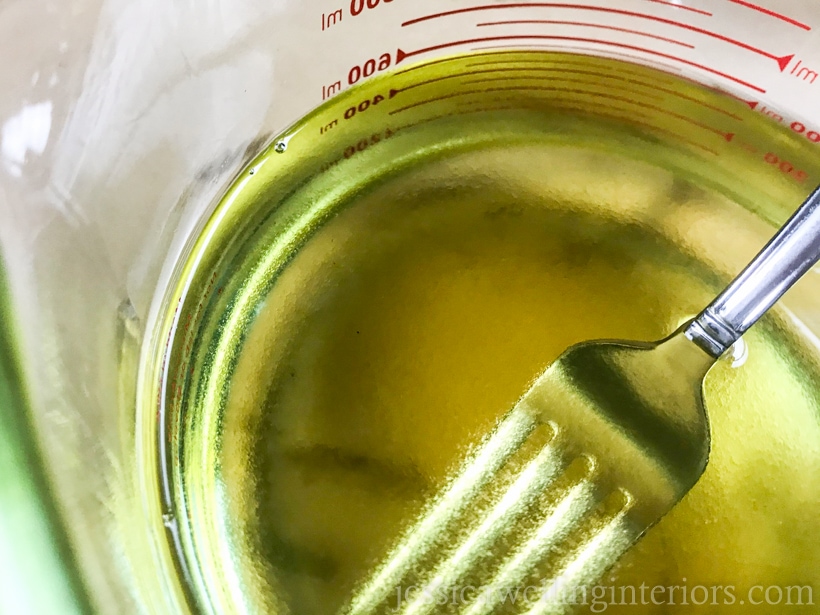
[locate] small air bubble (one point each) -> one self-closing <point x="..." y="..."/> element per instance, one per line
<point x="168" y="520"/>
<point x="280" y="147"/>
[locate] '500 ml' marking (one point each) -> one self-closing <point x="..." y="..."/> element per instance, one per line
<point x="360" y="146"/>
<point x="363" y="144"/>
<point x="786" y="167"/>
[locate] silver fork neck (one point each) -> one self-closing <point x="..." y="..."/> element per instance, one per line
<point x="786" y="258"/>
<point x="712" y="334"/>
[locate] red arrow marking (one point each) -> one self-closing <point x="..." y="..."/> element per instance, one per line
<point x="583" y="7"/>
<point x="784" y="62"/>
<point x="401" y="54"/>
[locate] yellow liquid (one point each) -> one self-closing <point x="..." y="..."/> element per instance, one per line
<point x="355" y="322"/>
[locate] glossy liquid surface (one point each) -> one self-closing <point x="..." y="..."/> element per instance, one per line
<point x="357" y="321"/>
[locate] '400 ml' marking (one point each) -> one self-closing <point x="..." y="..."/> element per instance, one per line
<point x="363" y="106"/>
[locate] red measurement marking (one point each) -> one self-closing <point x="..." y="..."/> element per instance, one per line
<point x="608" y="53"/>
<point x="593" y="25"/>
<point x="771" y="13"/>
<point x="401" y="55"/>
<point x="562" y="80"/>
<point x="515" y="89"/>
<point x="427" y="120"/>
<point x="426" y="64"/>
<point x="664" y="68"/>
<point x="632" y="120"/>
<point x="752" y="104"/>
<point x="782" y="61"/>
<point x="567" y="59"/>
<point x="464" y="112"/>
<point x="653" y="86"/>
<point x="612" y="69"/>
<point x="680" y="6"/>
<point x="549" y="69"/>
<point x="715" y="89"/>
<point x="596" y="113"/>
<point x="703" y="104"/>
<point x="473" y="9"/>
<point x="726" y="136"/>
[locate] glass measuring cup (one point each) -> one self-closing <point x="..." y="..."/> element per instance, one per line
<point x="121" y="126"/>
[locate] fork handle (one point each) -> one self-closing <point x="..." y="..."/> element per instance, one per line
<point x="785" y="259"/>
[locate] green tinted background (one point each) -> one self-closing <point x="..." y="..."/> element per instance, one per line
<point x="37" y="575"/>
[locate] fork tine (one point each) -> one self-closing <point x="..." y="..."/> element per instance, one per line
<point x="565" y="516"/>
<point x="602" y="550"/>
<point x="531" y="481"/>
<point x="478" y="470"/>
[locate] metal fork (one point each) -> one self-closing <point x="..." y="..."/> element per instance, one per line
<point x="606" y="442"/>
